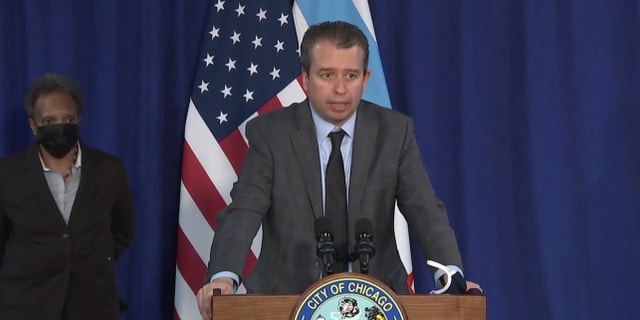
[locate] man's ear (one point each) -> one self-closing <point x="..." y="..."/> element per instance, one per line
<point x="367" y="75"/>
<point x="305" y="79"/>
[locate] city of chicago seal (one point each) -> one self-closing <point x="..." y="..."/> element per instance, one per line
<point x="349" y="296"/>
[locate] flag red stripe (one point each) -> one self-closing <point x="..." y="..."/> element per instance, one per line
<point x="234" y="148"/>
<point x="410" y="283"/>
<point x="188" y="262"/>
<point x="200" y="188"/>
<point x="273" y="103"/>
<point x="249" y="263"/>
<point x="299" y="78"/>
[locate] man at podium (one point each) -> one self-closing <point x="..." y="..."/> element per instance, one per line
<point x="287" y="182"/>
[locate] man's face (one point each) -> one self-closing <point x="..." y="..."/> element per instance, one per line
<point x="335" y="81"/>
<point x="54" y="108"/>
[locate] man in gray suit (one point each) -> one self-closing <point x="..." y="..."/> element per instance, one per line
<point x="281" y="184"/>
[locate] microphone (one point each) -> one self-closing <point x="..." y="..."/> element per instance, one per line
<point x="364" y="244"/>
<point x="326" y="249"/>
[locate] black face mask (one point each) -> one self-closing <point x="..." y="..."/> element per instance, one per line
<point x="58" y="139"/>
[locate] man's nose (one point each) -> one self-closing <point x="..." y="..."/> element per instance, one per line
<point x="339" y="85"/>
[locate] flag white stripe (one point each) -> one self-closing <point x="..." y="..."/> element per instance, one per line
<point x="194" y="226"/>
<point x="209" y="153"/>
<point x="402" y="239"/>
<point x="301" y="22"/>
<point x="363" y="8"/>
<point x="185" y="301"/>
<point x="243" y="128"/>
<point x="292" y="93"/>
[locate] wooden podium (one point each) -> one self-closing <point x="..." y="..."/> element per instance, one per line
<point x="416" y="307"/>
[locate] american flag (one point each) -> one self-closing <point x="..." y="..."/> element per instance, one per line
<point x="248" y="64"/>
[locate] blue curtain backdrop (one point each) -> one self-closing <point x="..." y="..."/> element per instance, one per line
<point x="526" y="114"/>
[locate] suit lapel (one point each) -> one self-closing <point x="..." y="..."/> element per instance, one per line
<point x="88" y="181"/>
<point x="364" y="140"/>
<point x="306" y="150"/>
<point x="35" y="174"/>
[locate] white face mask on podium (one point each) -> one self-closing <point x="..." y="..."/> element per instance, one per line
<point x="448" y="274"/>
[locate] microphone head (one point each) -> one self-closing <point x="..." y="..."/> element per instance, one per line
<point x="363" y="226"/>
<point x="322" y="226"/>
<point x="364" y="244"/>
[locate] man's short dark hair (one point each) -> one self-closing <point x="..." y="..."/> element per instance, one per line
<point x="341" y="34"/>
<point x="52" y="82"/>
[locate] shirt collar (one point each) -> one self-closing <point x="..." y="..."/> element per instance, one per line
<point x="323" y="128"/>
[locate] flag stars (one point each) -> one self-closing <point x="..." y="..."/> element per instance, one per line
<point x="257" y="42"/>
<point x="219" y="6"/>
<point x="222" y="117"/>
<point x="275" y="73"/>
<point x="215" y="32"/>
<point x="248" y="96"/>
<point x="279" y="46"/>
<point x="283" y="19"/>
<point x="208" y="60"/>
<point x="204" y="86"/>
<point x="226" y="91"/>
<point x="235" y="37"/>
<point x="231" y="64"/>
<point x="240" y="10"/>
<point x="252" y="69"/>
<point x="261" y="15"/>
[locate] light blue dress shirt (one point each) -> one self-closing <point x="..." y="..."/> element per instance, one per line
<point x="323" y="128"/>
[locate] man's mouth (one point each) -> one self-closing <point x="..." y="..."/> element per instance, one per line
<point x="339" y="105"/>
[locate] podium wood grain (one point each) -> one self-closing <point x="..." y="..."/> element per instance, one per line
<point x="417" y="307"/>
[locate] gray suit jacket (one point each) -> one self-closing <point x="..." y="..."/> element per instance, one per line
<point x="279" y="187"/>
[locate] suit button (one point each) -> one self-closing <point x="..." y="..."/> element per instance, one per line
<point x="65" y="236"/>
